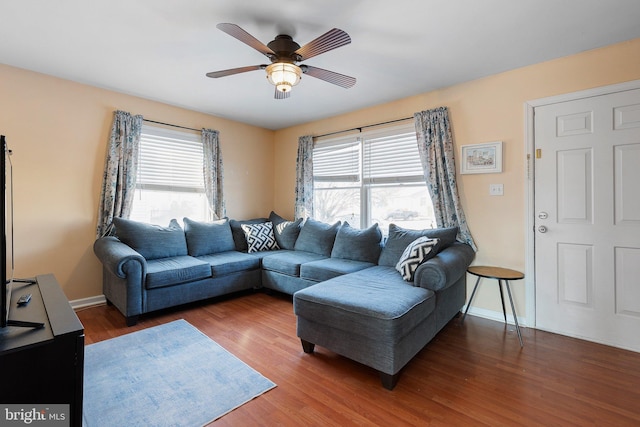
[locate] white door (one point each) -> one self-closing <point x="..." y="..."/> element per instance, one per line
<point x="587" y="225"/>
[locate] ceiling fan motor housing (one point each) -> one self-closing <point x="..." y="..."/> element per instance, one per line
<point x="284" y="47"/>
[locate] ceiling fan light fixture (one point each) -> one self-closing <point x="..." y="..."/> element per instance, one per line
<point x="283" y="75"/>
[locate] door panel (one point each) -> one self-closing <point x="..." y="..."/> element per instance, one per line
<point x="587" y="202"/>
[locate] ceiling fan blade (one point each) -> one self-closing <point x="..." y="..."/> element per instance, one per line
<point x="329" y="76"/>
<point x="232" y="71"/>
<point x="281" y="95"/>
<point x="330" y="40"/>
<point x="235" y="31"/>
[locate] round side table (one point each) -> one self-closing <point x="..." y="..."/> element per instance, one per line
<point x="500" y="274"/>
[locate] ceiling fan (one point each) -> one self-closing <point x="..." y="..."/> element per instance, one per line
<point x="285" y="54"/>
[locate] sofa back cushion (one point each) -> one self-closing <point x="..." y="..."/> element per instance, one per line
<point x="152" y="241"/>
<point x="204" y="238"/>
<point x="286" y="232"/>
<point x="399" y="238"/>
<point x="239" y="237"/>
<point x="317" y="237"/>
<point x="358" y="245"/>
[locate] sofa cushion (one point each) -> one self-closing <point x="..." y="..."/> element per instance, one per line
<point x="399" y="238"/>
<point x="262" y="254"/>
<point x="260" y="237"/>
<point x="238" y="234"/>
<point x="223" y="263"/>
<point x="418" y="251"/>
<point x="380" y="310"/>
<point x="151" y="241"/>
<point x="328" y="268"/>
<point x="317" y="237"/>
<point x="171" y="271"/>
<point x="288" y="262"/>
<point x="208" y="237"/>
<point x="379" y="274"/>
<point x="286" y="231"/>
<point x="358" y="245"/>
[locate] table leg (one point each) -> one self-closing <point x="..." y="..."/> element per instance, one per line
<point x="471" y="299"/>
<point x="504" y="312"/>
<point x="515" y="316"/>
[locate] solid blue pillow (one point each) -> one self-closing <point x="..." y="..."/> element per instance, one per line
<point x="286" y="232"/>
<point x="317" y="237"/>
<point x="204" y="238"/>
<point x="358" y="245"/>
<point x="151" y="241"/>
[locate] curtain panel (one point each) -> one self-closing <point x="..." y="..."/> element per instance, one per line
<point x="121" y="167"/>
<point x="213" y="172"/>
<point x="304" y="178"/>
<point x="435" y="144"/>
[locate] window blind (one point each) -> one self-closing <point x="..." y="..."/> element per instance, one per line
<point x="337" y="160"/>
<point x="170" y="161"/>
<point x="391" y="156"/>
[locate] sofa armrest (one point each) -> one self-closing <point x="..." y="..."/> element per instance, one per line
<point x="445" y="268"/>
<point x="114" y="255"/>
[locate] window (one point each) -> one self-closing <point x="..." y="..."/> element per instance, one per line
<point x="170" y="182"/>
<point x="372" y="177"/>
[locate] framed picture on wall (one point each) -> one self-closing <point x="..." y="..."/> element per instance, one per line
<point x="481" y="158"/>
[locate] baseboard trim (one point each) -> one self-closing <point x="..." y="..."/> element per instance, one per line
<point x="495" y="315"/>
<point x="98" y="300"/>
<point x="82" y="303"/>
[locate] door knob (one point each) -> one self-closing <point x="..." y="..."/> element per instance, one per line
<point x="542" y="229"/>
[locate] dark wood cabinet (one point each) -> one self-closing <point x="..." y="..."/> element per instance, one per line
<point x="43" y="365"/>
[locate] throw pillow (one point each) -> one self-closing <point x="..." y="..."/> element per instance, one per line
<point x="286" y="232"/>
<point x="418" y="251"/>
<point x="317" y="237"/>
<point x="358" y="245"/>
<point x="399" y="238"/>
<point x="238" y="233"/>
<point x="151" y="241"/>
<point x="204" y="238"/>
<point x="260" y="237"/>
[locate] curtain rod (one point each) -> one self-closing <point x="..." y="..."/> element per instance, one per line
<point x="169" y="124"/>
<point x="363" y="127"/>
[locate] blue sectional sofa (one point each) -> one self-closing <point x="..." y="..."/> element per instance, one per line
<point x="375" y="302"/>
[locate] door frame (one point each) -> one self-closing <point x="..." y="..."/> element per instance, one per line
<point x="529" y="140"/>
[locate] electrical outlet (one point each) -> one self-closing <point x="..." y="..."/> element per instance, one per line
<point x="496" y="189"/>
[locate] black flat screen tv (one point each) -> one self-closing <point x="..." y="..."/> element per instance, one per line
<point x="6" y="231"/>
<point x="6" y="245"/>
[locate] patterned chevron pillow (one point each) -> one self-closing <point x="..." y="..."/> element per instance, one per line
<point x="260" y="237"/>
<point x="418" y="251"/>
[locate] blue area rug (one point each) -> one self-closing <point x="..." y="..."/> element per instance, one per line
<point x="168" y="375"/>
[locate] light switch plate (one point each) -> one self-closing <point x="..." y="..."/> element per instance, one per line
<point x="496" y="189"/>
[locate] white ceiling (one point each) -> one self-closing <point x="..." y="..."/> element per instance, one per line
<point x="161" y="49"/>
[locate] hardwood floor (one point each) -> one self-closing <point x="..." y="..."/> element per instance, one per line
<point x="471" y="374"/>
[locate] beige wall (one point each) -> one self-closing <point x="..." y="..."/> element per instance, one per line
<point x="58" y="131"/>
<point x="489" y="109"/>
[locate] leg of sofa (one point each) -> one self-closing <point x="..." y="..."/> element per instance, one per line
<point x="307" y="346"/>
<point x="389" y="381"/>
<point x="131" y="320"/>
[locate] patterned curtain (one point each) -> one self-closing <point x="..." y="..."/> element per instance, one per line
<point x="121" y="168"/>
<point x="435" y="144"/>
<point x="213" y="172"/>
<point x="304" y="178"/>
